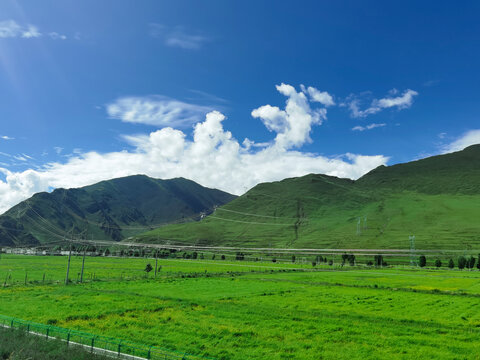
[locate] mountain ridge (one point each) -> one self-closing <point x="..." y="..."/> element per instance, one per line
<point x="111" y="209"/>
<point x="436" y="198"/>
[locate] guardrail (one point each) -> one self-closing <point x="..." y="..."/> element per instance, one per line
<point x="99" y="344"/>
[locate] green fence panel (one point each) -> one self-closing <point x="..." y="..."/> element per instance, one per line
<point x="111" y="346"/>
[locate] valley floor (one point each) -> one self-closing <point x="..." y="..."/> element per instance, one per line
<point x="265" y="311"/>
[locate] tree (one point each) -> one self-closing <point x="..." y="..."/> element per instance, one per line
<point x="274" y="260"/>
<point x="462" y="262"/>
<point x="314" y="263"/>
<point x="478" y="262"/>
<point x="351" y="259"/>
<point x="213" y="257"/>
<point x="378" y="260"/>
<point x="422" y="261"/>
<point x="344" y="258"/>
<point x="293" y="258"/>
<point x="194" y="255"/>
<point x="451" y="264"/>
<point x="107" y="252"/>
<point x="148" y="268"/>
<point x="223" y="257"/>
<point x="438" y="263"/>
<point x="470" y="262"/>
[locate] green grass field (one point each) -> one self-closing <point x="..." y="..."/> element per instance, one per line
<point x="354" y="313"/>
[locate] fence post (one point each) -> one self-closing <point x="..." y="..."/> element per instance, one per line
<point x="68" y="338"/>
<point x="93" y="342"/>
<point x="149" y="355"/>
<point x="119" y="347"/>
<point x="48" y="331"/>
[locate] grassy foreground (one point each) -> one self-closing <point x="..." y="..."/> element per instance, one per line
<point x="349" y="314"/>
<point x="18" y="345"/>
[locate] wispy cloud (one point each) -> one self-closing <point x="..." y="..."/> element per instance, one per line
<point x="177" y="37"/>
<point x="316" y="95"/>
<point x="11" y="29"/>
<point x="401" y="102"/>
<point x="5" y="137"/>
<point x="58" y="149"/>
<point x="368" y="127"/>
<point x="156" y="110"/>
<point x="471" y="137"/>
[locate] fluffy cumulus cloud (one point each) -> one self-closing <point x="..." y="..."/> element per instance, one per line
<point x="368" y="127"/>
<point x="403" y="101"/>
<point x="156" y="110"/>
<point x="471" y="137"/>
<point x="177" y="37"/>
<point x="292" y="125"/>
<point x="11" y="29"/>
<point x="211" y="157"/>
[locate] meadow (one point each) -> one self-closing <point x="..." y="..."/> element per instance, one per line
<point x="277" y="312"/>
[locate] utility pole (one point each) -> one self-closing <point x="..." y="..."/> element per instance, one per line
<point x="156" y="263"/>
<point x="83" y="263"/>
<point x="68" y="264"/>
<point x="412" y="250"/>
<point x="69" y="256"/>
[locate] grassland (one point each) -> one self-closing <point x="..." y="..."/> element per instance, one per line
<point x="354" y="313"/>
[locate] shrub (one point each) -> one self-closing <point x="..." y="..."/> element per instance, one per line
<point x="223" y="257"/>
<point x="462" y="262"/>
<point x="451" y="264"/>
<point x="148" y="268"/>
<point x="314" y="263"/>
<point x="422" y="261"/>
<point x="438" y="263"/>
<point x="293" y="258"/>
<point x="378" y="260"/>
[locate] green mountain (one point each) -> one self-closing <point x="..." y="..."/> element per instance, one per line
<point x="111" y="210"/>
<point x="437" y="199"/>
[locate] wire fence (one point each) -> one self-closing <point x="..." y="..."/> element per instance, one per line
<point x="107" y="346"/>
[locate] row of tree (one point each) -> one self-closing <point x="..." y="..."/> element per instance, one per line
<point x="462" y="262"/>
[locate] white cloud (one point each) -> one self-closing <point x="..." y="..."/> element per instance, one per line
<point x="292" y="125"/>
<point x="56" y="36"/>
<point x="401" y="102"/>
<point x="58" y="149"/>
<point x="368" y="127"/>
<point x="5" y="137"/>
<point x="471" y="137"/>
<point x="316" y="95"/>
<point x="11" y="29"/>
<point x="177" y="37"/>
<point x="156" y="110"/>
<point x="213" y="157"/>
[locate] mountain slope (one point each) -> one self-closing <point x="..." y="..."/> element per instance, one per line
<point x="437" y="199"/>
<point x="112" y="209"/>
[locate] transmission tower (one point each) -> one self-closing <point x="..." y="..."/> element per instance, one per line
<point x="413" y="261"/>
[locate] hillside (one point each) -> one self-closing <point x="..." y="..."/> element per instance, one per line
<point x="111" y="210"/>
<point x="437" y="199"/>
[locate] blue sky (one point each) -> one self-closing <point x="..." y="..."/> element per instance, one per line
<point x="91" y="90"/>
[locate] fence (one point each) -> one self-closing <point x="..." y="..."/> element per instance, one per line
<point x="96" y="343"/>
